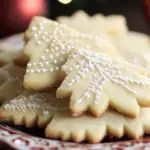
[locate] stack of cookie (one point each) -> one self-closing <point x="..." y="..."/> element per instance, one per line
<point x="133" y="46"/>
<point x="75" y="85"/>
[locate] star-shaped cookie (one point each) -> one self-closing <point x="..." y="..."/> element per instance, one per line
<point x="95" y="81"/>
<point x="49" y="44"/>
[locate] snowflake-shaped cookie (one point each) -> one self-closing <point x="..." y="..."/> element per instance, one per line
<point x="95" y="81"/>
<point x="49" y="44"/>
<point x="11" y="77"/>
<point x="98" y="24"/>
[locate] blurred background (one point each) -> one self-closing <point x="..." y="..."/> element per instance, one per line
<point x="16" y="14"/>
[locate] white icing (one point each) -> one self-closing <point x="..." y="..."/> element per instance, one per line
<point x="104" y="68"/>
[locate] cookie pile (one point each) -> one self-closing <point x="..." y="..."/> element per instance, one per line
<point x="75" y="85"/>
<point x="133" y="46"/>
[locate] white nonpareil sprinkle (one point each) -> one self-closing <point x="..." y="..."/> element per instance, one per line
<point x="60" y="41"/>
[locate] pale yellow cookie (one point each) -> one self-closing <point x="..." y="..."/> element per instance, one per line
<point x="43" y="109"/>
<point x="49" y="44"/>
<point x="10" y="47"/>
<point x="94" y="130"/>
<point x="135" y="48"/>
<point x="97" y="25"/>
<point x="96" y="80"/>
<point x="11" y="77"/>
<point x="115" y="25"/>
<point x="32" y="108"/>
<point x="84" y="23"/>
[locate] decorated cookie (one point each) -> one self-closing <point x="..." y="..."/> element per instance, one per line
<point x="49" y="44"/>
<point x="135" y="48"/>
<point x="95" y="81"/>
<point x="11" y="77"/>
<point x="97" y="25"/>
<point x="44" y="110"/>
<point x="32" y="108"/>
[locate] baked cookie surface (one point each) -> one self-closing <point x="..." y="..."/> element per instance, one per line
<point x="135" y="48"/>
<point x="10" y="47"/>
<point x="11" y="85"/>
<point x="98" y="24"/>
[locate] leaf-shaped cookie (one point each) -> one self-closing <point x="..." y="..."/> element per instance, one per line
<point x="44" y="110"/>
<point x="95" y="80"/>
<point x="111" y="25"/>
<point x="11" y="77"/>
<point x="32" y="108"/>
<point x="49" y="44"/>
